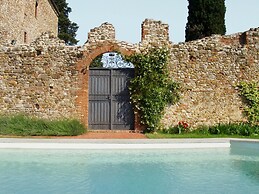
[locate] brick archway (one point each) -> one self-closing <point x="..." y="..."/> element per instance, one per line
<point x="90" y="53"/>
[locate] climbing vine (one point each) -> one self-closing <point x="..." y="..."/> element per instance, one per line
<point x="152" y="89"/>
<point x="250" y="92"/>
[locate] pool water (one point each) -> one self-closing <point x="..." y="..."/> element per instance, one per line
<point x="221" y="170"/>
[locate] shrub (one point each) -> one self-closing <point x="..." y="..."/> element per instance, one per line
<point x="250" y="93"/>
<point x="237" y="129"/>
<point x="243" y="129"/>
<point x="182" y="127"/>
<point x="152" y="88"/>
<point x="201" y="130"/>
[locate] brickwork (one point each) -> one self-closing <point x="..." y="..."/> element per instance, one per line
<point x="22" y="21"/>
<point x="49" y="79"/>
<point x="100" y="40"/>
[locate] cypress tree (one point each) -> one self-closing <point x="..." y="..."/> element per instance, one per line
<point x="206" y="17"/>
<point x="66" y="28"/>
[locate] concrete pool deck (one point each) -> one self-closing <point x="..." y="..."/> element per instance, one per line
<point x="90" y="144"/>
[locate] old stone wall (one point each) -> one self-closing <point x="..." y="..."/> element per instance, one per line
<point x="106" y="32"/>
<point x="209" y="71"/>
<point x="40" y="79"/>
<point x="22" y="21"/>
<point x="155" y="33"/>
<point x="49" y="79"/>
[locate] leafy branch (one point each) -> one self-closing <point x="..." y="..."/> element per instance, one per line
<point x="250" y="92"/>
<point x="152" y="88"/>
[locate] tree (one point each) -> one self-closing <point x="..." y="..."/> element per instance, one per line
<point x="206" y="17"/>
<point x="66" y="28"/>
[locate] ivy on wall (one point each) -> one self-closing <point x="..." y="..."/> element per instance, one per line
<point x="152" y="89"/>
<point x="250" y="93"/>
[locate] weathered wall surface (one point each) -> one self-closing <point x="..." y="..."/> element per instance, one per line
<point x="209" y="70"/>
<point x="39" y="79"/>
<point x="50" y="80"/>
<point x="155" y="33"/>
<point x="19" y="17"/>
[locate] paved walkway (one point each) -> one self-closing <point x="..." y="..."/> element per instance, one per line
<point x="109" y="135"/>
<point x="91" y="135"/>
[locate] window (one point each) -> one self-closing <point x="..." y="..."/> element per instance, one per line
<point x="36" y="8"/>
<point x="25" y="37"/>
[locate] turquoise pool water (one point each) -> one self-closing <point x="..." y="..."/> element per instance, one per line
<point x="125" y="171"/>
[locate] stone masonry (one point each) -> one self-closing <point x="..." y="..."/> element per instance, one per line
<point x="40" y="79"/>
<point x="155" y="33"/>
<point x="50" y="80"/>
<point x="22" y="21"/>
<point x="209" y="71"/>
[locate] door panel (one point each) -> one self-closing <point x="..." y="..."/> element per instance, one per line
<point x="109" y="100"/>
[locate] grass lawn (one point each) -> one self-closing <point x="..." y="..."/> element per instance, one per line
<point x="193" y="135"/>
<point x="234" y="130"/>
<point x="20" y="125"/>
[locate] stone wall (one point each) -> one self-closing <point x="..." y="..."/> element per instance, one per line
<point x="154" y="32"/>
<point x="21" y="24"/>
<point x="209" y="71"/>
<point x="106" y="32"/>
<point x="49" y="79"/>
<point x="40" y="79"/>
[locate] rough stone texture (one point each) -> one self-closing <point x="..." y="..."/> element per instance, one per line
<point x="50" y="80"/>
<point x="106" y="32"/>
<point x="40" y="79"/>
<point x="154" y="32"/>
<point x="19" y="17"/>
<point x="209" y="70"/>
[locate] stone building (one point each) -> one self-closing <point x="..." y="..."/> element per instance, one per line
<point x="22" y="21"/>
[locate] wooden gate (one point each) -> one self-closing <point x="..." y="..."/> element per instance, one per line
<point x="109" y="99"/>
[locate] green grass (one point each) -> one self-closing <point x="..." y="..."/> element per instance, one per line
<point x="236" y="130"/>
<point x="21" y="125"/>
<point x="191" y="135"/>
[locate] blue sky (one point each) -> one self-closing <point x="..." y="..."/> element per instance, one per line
<point x="127" y="16"/>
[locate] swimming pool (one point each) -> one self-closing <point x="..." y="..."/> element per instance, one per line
<point x="213" y="170"/>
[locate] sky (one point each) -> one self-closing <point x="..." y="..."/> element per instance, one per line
<point x="127" y="16"/>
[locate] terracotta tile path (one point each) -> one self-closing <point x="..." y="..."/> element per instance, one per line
<point x="111" y="135"/>
<point x="100" y="135"/>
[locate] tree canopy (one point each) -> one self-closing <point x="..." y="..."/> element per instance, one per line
<point x="66" y="28"/>
<point x="206" y="17"/>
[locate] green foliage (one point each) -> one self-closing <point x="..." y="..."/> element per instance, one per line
<point x="97" y="62"/>
<point x="21" y="125"/>
<point x="152" y="89"/>
<point x="182" y="127"/>
<point x="206" y="17"/>
<point x="66" y="29"/>
<point x="250" y="93"/>
<point x="242" y="129"/>
<point x="220" y="130"/>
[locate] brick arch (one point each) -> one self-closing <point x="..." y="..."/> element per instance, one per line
<point x="90" y="53"/>
<point x="93" y="51"/>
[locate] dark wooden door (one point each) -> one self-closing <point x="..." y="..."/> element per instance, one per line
<point x="109" y="99"/>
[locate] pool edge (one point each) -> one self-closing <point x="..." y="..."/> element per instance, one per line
<point x="10" y="143"/>
<point x="113" y="144"/>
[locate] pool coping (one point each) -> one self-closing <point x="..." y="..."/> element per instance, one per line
<point x="104" y="144"/>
